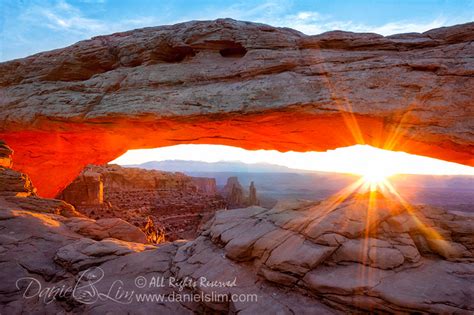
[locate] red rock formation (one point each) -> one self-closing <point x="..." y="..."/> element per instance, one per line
<point x="386" y="260"/>
<point x="234" y="193"/>
<point x="236" y="196"/>
<point x="237" y="83"/>
<point x="5" y="155"/>
<point x="18" y="192"/>
<point x="205" y="185"/>
<point x="116" y="178"/>
<point x="253" y="200"/>
<point x="86" y="189"/>
<point x="160" y="203"/>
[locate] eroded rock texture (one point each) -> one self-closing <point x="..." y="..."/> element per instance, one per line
<point x="237" y="83"/>
<point x="234" y="192"/>
<point x="158" y="202"/>
<point x="388" y="259"/>
<point x="5" y="155"/>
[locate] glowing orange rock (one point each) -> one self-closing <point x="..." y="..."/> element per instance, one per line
<point x="237" y="83"/>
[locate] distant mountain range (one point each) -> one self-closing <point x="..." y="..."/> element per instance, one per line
<point x="218" y="167"/>
<point x="276" y="182"/>
<point x="220" y="170"/>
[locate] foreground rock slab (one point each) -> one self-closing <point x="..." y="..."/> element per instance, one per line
<point x="268" y="267"/>
<point x="355" y="262"/>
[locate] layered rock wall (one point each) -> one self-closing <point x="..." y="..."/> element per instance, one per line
<point x="162" y="204"/>
<point x="5" y="155"/>
<point x="205" y="185"/>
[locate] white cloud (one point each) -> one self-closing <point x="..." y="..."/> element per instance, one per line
<point x="408" y="27"/>
<point x="313" y="22"/>
<point x="315" y="26"/>
<point x="67" y="18"/>
<point x="61" y="16"/>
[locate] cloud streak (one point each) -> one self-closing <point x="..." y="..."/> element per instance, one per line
<point x="65" y="17"/>
<point x="313" y="22"/>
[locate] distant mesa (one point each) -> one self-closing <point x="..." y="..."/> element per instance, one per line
<point x="212" y="167"/>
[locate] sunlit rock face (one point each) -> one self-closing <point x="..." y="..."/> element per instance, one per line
<point x="5" y="155"/>
<point x="237" y="83"/>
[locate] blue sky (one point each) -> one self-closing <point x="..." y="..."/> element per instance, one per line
<point x="31" y="26"/>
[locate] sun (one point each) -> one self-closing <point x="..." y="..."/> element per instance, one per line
<point x="375" y="178"/>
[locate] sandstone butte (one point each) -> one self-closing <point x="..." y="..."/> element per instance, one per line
<point x="237" y="83"/>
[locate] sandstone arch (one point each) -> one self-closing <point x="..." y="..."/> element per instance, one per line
<point x="237" y="83"/>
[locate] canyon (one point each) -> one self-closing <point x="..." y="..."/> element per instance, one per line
<point x="168" y="205"/>
<point x="173" y="203"/>
<point x="237" y="83"/>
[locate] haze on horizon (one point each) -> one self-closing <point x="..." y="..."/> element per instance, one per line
<point x="357" y="159"/>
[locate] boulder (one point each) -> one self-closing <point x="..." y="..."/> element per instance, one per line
<point x="14" y="183"/>
<point x="105" y="228"/>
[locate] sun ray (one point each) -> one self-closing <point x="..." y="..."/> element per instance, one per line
<point x="425" y="229"/>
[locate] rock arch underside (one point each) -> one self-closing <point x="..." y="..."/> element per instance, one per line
<point x="257" y="87"/>
<point x="237" y="83"/>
